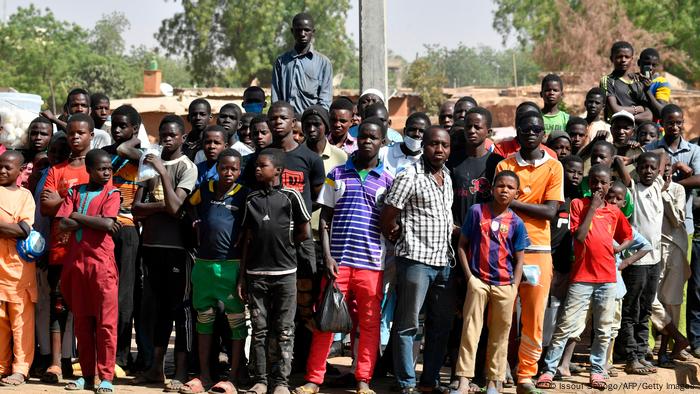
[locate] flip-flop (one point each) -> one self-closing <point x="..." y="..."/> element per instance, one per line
<point x="53" y="375"/>
<point x="173" y="386"/>
<point x="105" y="387"/>
<point x="14" y="380"/>
<point x="256" y="389"/>
<point x="546" y="381"/>
<point x="631" y="370"/>
<point x="597" y="381"/>
<point x="194" y="386"/>
<point x="304" y="390"/>
<point x="365" y="391"/>
<point x="79" y="384"/>
<point x="223" y="387"/>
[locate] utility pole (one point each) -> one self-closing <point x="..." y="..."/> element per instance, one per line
<point x="373" y="51"/>
<point x="515" y="75"/>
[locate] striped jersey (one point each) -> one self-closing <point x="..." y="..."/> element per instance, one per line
<point x="356" y="240"/>
<point x="493" y="242"/>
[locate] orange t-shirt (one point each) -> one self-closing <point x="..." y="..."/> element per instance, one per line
<point x="60" y="178"/>
<point x="539" y="182"/>
<point x="16" y="275"/>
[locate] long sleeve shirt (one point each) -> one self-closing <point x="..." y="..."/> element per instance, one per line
<point x="303" y="80"/>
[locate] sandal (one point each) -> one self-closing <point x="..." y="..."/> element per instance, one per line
<point x="105" y="387"/>
<point x="635" y="368"/>
<point x="365" y="391"/>
<point x="53" y="375"/>
<point x="648" y="366"/>
<point x="613" y="372"/>
<point x="305" y="390"/>
<point x="597" y="381"/>
<point x="194" y="386"/>
<point x="258" y="388"/>
<point x="14" y="380"/>
<point x="173" y="386"/>
<point x="80" y="384"/>
<point x="546" y="381"/>
<point x="223" y="387"/>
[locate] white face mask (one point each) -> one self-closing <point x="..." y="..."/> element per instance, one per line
<point x="412" y="144"/>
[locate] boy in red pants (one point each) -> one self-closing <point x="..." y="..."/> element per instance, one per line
<point x="352" y="251"/>
<point x="89" y="281"/>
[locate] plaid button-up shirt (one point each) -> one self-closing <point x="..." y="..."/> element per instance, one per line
<point x="426" y="215"/>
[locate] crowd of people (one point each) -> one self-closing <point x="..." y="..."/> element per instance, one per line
<point x="446" y="244"/>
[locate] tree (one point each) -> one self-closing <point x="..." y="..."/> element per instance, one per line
<point x="231" y="43"/>
<point x="106" y="37"/>
<point x="568" y="34"/>
<point x="427" y="80"/>
<point x="41" y="54"/>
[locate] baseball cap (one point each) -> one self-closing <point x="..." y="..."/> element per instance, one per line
<point x="622" y="114"/>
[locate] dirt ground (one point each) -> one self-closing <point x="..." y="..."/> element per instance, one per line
<point x="684" y="379"/>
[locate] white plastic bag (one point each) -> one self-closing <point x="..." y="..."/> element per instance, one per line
<point x="146" y="171"/>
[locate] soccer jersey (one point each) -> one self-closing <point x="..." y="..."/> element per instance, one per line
<point x="594" y="260"/>
<point x="124" y="173"/>
<point x="355" y="235"/>
<point x="539" y="182"/>
<point x="206" y="172"/>
<point x="271" y="215"/>
<point x="493" y="242"/>
<point x="220" y="220"/>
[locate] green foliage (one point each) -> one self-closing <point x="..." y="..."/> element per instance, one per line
<point x="427" y="80"/>
<point x="231" y="43"/>
<point x="41" y="53"/>
<point x="48" y="57"/>
<point x="106" y="37"/>
<point x="467" y="66"/>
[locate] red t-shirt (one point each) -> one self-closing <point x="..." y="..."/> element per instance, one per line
<point x="594" y="260"/>
<point x="60" y="178"/>
<point x="509" y="146"/>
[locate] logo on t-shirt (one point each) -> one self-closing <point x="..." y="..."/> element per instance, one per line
<point x="480" y="186"/>
<point x="293" y="180"/>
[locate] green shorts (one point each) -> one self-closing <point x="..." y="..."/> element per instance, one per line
<point x="214" y="281"/>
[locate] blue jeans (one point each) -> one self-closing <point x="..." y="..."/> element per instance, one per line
<point x="601" y="298"/>
<point x="416" y="284"/>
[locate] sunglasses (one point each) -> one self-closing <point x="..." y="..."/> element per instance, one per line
<point x="532" y="129"/>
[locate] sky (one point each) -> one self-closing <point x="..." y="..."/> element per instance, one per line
<point x="410" y="23"/>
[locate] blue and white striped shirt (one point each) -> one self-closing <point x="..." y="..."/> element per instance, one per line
<point x="356" y="239"/>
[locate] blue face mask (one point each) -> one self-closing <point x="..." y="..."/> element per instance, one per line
<point x="253" y="107"/>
